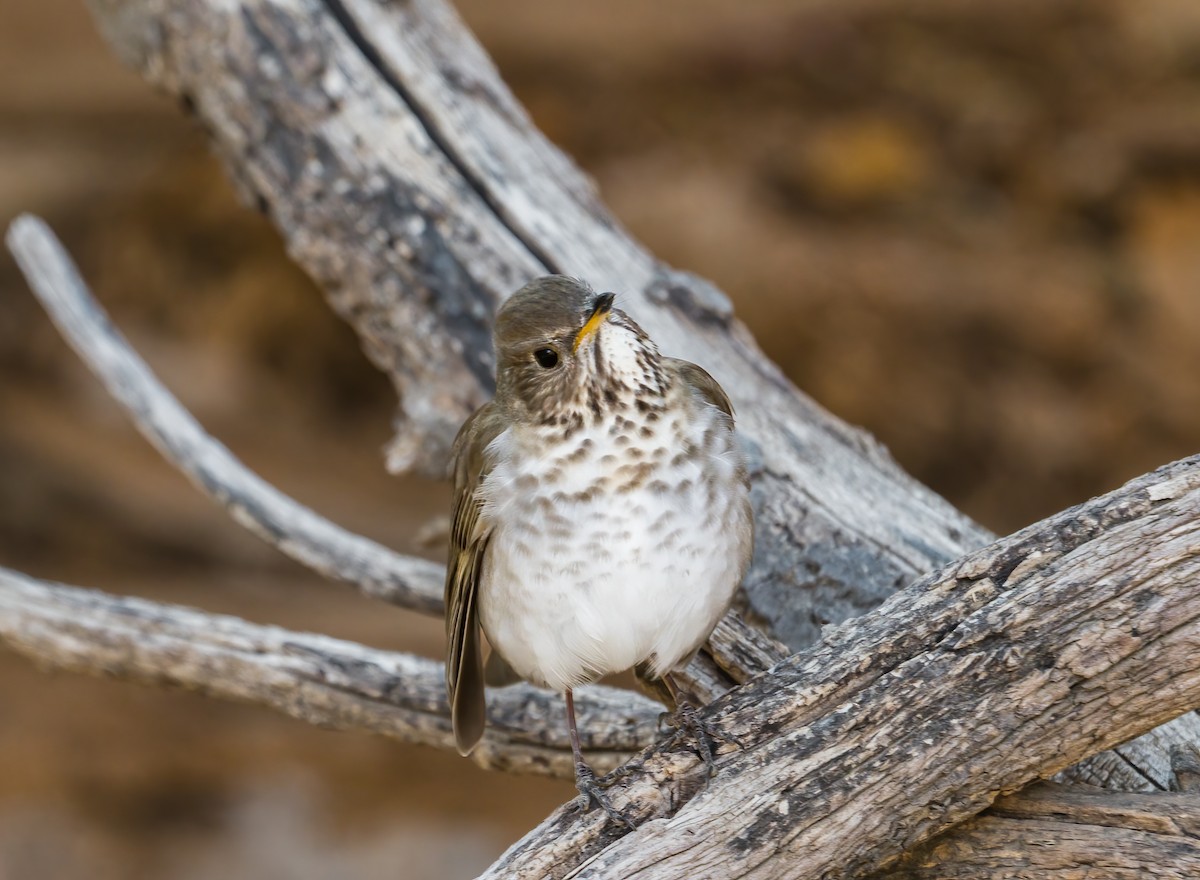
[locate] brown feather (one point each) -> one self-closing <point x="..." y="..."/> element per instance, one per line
<point x="702" y="383"/>
<point x="468" y="548"/>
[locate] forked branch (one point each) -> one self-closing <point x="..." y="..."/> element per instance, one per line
<point x="405" y="178"/>
<point x="336" y="683"/>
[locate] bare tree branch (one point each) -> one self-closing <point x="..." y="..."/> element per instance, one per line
<point x="315" y="678"/>
<point x="739" y="650"/>
<point x="1054" y="833"/>
<point x="1060" y="641"/>
<point x="349" y="696"/>
<point x="333" y="683"/>
<point x="407" y="180"/>
<point x="279" y="520"/>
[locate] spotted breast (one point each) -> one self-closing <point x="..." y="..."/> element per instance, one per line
<point x="618" y="543"/>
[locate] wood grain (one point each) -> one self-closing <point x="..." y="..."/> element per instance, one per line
<point x="314" y="678"/>
<point x="406" y="179"/>
<point x="1060" y="833"/>
<point x="1004" y="668"/>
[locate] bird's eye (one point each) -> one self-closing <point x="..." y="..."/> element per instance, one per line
<point x="547" y="358"/>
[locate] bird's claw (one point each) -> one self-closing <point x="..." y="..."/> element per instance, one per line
<point x="686" y="719"/>
<point x="594" y="794"/>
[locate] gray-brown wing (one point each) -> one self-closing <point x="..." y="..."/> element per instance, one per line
<point x="711" y="391"/>
<point x="468" y="547"/>
<point x="702" y="382"/>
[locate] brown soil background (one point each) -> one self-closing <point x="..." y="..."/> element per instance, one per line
<point x="971" y="227"/>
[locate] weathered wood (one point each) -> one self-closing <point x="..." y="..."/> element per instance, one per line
<point x="314" y="678"/>
<point x="1005" y="667"/>
<point x="409" y="182"/>
<point x="279" y="520"/>
<point x="1060" y="833"/>
<point x="333" y="683"/>
<point x="406" y="179"/>
<point x="283" y="522"/>
<point x="248" y="665"/>
<point x="1185" y="768"/>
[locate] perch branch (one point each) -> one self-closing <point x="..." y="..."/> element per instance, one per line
<point x="279" y="520"/>
<point x="1062" y="640"/>
<point x="315" y="678"/>
<point x="332" y="683"/>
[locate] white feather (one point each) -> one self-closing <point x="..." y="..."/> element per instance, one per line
<point x="576" y="588"/>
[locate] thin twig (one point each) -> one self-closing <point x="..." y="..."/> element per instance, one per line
<point x="287" y="524"/>
<point x="315" y="678"/>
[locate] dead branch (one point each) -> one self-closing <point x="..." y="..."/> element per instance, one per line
<point x="739" y="650"/>
<point x="244" y="663"/>
<point x="1003" y="668"/>
<point x="314" y="678"/>
<point x="407" y="180"/>
<point x="279" y="520"/>
<point x="1057" y="833"/>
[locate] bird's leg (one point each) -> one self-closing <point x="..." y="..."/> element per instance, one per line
<point x="686" y="719"/>
<point x="585" y="777"/>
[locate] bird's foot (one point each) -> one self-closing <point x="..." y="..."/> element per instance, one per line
<point x="686" y="720"/>
<point x="594" y="794"/>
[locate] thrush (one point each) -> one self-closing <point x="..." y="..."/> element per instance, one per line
<point x="601" y="515"/>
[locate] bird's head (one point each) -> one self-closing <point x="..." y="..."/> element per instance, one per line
<point x="564" y="354"/>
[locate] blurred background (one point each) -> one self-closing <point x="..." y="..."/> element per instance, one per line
<point x="971" y="227"/>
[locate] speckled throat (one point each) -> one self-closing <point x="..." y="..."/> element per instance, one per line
<point x="619" y="374"/>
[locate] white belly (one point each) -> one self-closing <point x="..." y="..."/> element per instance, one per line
<point x="582" y="579"/>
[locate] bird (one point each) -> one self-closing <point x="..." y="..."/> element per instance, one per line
<point x="601" y="513"/>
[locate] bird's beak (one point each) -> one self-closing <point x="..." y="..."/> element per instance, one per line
<point x="600" y="311"/>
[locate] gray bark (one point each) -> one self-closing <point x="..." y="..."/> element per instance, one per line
<point x="314" y="678"/>
<point x="1005" y="667"/>
<point x="1049" y="833"/>
<point x="406" y="179"/>
<point x="409" y="182"/>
